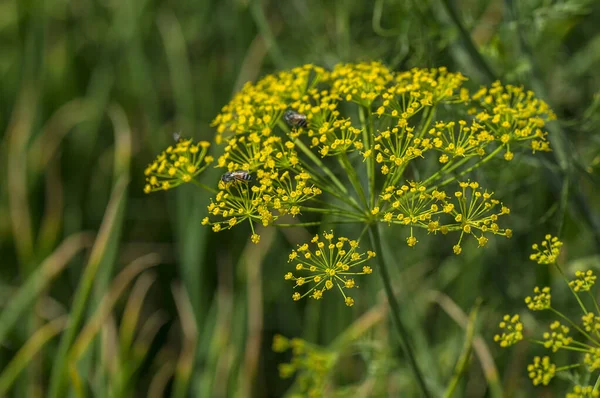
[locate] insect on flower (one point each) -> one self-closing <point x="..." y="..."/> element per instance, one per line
<point x="294" y="119"/>
<point x="177" y="136"/>
<point x="238" y="175"/>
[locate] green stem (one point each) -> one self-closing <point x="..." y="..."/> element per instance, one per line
<point x="367" y="133"/>
<point x="314" y="223"/>
<point x="597" y="384"/>
<point x="477" y="58"/>
<point x="476" y="165"/>
<point x="353" y="177"/>
<point x="205" y="187"/>
<point x="575" y="326"/>
<point x="395" y="310"/>
<point x="585" y="311"/>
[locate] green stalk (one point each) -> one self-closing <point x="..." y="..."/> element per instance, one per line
<point x="367" y="133"/>
<point x="321" y="165"/>
<point x="476" y="165"/>
<point x="463" y="360"/>
<point x="402" y="333"/>
<point x="353" y="177"/>
<point x="597" y="384"/>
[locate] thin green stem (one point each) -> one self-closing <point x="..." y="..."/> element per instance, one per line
<point x="203" y="186"/>
<point x="476" y="165"/>
<point x="475" y="55"/>
<point x="597" y="384"/>
<point x="595" y="302"/>
<point x="575" y="326"/>
<point x="402" y="333"/>
<point x="315" y="223"/>
<point x="353" y="177"/>
<point x="367" y="133"/>
<point x="585" y="311"/>
<point x="314" y="158"/>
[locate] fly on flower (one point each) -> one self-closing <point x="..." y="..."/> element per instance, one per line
<point x="294" y="119"/>
<point x="238" y="175"/>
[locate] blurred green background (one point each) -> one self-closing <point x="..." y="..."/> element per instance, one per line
<point x="106" y="291"/>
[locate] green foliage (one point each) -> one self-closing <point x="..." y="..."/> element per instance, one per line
<point x="106" y="291"/>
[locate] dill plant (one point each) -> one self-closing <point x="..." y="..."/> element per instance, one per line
<point x="348" y="143"/>
<point x="565" y="333"/>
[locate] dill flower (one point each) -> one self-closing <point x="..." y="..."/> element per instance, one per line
<point x="592" y="359"/>
<point x="362" y="82"/>
<point x="513" y="114"/>
<point x="541" y="300"/>
<point x="512" y="331"/>
<point x="546" y="252"/>
<point x="310" y="363"/>
<point x="583" y="392"/>
<point x="177" y="165"/>
<point x="583" y="282"/>
<point x="326" y="264"/>
<point x="541" y="371"/>
<point x="557" y="337"/>
<point x="460" y="139"/>
<point x="591" y="322"/>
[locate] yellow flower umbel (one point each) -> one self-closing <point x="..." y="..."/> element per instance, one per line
<point x="512" y="331"/>
<point x="583" y="282"/>
<point x="328" y="264"/>
<point x="583" y="392"/>
<point x="541" y="300"/>
<point x="177" y="165"/>
<point x="546" y="252"/>
<point x="585" y="338"/>
<point x="513" y="114"/>
<point x="541" y="371"/>
<point x="310" y="363"/>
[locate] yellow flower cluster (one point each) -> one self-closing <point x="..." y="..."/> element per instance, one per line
<point x="397" y="146"/>
<point x="512" y="331"/>
<point x="541" y="300"/>
<point x="328" y="264"/>
<point x="276" y="194"/>
<point x="592" y="359"/>
<point x="310" y="363"/>
<point x="547" y="252"/>
<point x="541" y="371"/>
<point x="258" y="107"/>
<point x="459" y="139"/>
<point x="557" y="337"/>
<point x="468" y="211"/>
<point x="177" y="165"/>
<point x="414" y="90"/>
<point x="584" y="281"/>
<point x="583" y="392"/>
<point x="513" y="114"/>
<point x="362" y="83"/>
<point x="335" y="137"/>
<point x="591" y="322"/>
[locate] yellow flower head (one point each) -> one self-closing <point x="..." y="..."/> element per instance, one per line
<point x="541" y="300"/>
<point x="513" y="115"/>
<point x="361" y="83"/>
<point x="329" y="265"/>
<point x="583" y="281"/>
<point x="583" y="392"/>
<point x="177" y="165"/>
<point x="546" y="252"/>
<point x="541" y="371"/>
<point x="557" y="337"/>
<point x="512" y="331"/>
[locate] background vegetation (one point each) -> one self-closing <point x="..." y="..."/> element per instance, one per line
<point x="104" y="289"/>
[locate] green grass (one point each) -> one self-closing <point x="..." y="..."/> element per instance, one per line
<point x="106" y="291"/>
